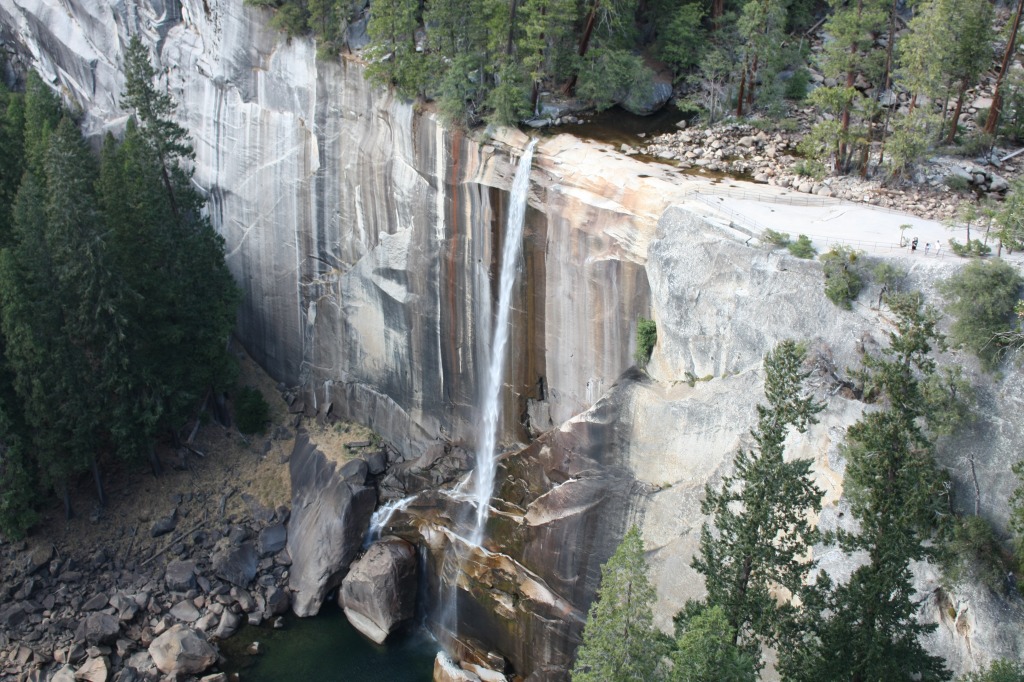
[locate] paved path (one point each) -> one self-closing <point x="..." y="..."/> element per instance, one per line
<point x="827" y="222"/>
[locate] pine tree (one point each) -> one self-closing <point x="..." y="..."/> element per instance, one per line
<point x="392" y="55"/>
<point x="981" y="299"/>
<point x="12" y="161"/>
<point x="705" y="651"/>
<point x="1008" y="56"/>
<point x="181" y="298"/>
<point x="42" y="114"/>
<point x="154" y="112"/>
<point x="762" y="25"/>
<point x="458" y="58"/>
<point x="620" y="643"/>
<point x="1010" y="219"/>
<point x="761" y="514"/>
<point x="546" y="45"/>
<point x="18" y="490"/>
<point x="866" y="629"/>
<point x="948" y="48"/>
<point x="61" y="311"/>
<point x="326" y="21"/>
<point x="849" y="55"/>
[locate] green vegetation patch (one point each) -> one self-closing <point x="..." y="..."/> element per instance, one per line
<point x="251" y="410"/>
<point x="843" y="280"/>
<point x="981" y="299"/>
<point x="646" y="337"/>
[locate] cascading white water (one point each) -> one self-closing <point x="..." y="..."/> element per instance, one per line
<point x="380" y="518"/>
<point x="486" y="456"/>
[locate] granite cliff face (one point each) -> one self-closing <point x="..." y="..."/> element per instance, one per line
<point x="366" y="238"/>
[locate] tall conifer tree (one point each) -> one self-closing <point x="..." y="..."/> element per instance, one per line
<point x="620" y="643"/>
<point x="867" y="629"/>
<point x="761" y="527"/>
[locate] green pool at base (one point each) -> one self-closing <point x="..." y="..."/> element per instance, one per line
<point x="327" y="649"/>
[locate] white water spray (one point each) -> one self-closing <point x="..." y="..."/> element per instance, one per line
<point x="486" y="456"/>
<point x="382" y="516"/>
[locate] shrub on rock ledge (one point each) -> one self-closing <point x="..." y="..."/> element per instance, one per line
<point x="842" y="280"/>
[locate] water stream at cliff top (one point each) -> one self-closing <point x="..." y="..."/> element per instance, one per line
<point x="486" y="455"/>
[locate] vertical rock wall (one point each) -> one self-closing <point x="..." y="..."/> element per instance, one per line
<point x="363" y="234"/>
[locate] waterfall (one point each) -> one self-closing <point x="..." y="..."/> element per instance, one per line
<point x="380" y="518"/>
<point x="486" y="456"/>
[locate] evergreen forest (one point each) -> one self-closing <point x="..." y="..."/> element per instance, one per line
<point x="765" y="588"/>
<point x="115" y="302"/>
<point x="887" y="79"/>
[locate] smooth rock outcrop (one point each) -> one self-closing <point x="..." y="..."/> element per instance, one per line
<point x="379" y="591"/>
<point x="182" y="651"/>
<point x="330" y="516"/>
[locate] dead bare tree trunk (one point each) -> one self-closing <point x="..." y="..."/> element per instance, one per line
<point x="956" y="112"/>
<point x="888" y="82"/>
<point x="97" y="479"/>
<point x="997" y="97"/>
<point x="743" y="83"/>
<point x="588" y="30"/>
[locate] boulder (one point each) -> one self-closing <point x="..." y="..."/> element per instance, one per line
<point x="379" y="591"/>
<point x="129" y="674"/>
<point x="182" y="651"/>
<point x="40" y="556"/>
<point x="65" y="674"/>
<point x="998" y="184"/>
<point x="142" y="662"/>
<point x="377" y="462"/>
<point x="13" y="615"/>
<point x="98" y="629"/>
<point x="330" y="516"/>
<point x="94" y="670"/>
<point x="164" y="525"/>
<point x="207" y="623"/>
<point x="277" y="601"/>
<point x="235" y="563"/>
<point x="186" y="611"/>
<point x="180" y="576"/>
<point x="229" y="622"/>
<point x="646" y="101"/>
<point x="272" y="539"/>
<point x="95" y="603"/>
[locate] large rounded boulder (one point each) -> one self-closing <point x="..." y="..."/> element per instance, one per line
<point x="379" y="591"/>
<point x="182" y="651"/>
<point x="331" y="509"/>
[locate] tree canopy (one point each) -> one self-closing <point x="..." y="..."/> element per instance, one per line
<point x="620" y="643"/>
<point x="115" y="302"/>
